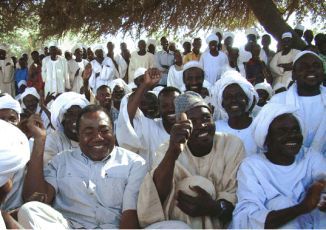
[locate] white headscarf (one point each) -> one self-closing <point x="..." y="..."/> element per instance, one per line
<point x="14" y="151"/>
<point x="7" y="102"/>
<point x="212" y="37"/>
<point x="140" y="71"/>
<point x="299" y="55"/>
<point x="228" y="78"/>
<point x="120" y="83"/>
<point x="265" y="86"/>
<point x="62" y="103"/>
<point x="265" y="117"/>
<point x="29" y="91"/>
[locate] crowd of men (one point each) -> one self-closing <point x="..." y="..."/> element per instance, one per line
<point x="225" y="138"/>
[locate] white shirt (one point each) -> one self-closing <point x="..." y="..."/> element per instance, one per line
<point x="214" y="66"/>
<point x="93" y="194"/>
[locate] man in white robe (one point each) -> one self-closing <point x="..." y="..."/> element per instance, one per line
<point x="55" y="73"/>
<point x="75" y="68"/>
<point x="196" y="161"/>
<point x="140" y="58"/>
<point x="282" y="63"/>
<point x="309" y="96"/>
<point x="7" y="81"/>
<point x="213" y="61"/>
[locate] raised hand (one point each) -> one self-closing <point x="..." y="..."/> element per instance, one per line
<point x="35" y="126"/>
<point x="152" y="77"/>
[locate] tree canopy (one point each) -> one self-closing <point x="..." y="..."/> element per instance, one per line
<point x="93" y="18"/>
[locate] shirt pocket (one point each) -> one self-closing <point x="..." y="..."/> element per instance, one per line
<point x="111" y="190"/>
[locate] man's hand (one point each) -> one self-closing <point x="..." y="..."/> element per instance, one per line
<point x="312" y="197"/>
<point x="49" y="97"/>
<point x="35" y="127"/>
<point x="179" y="134"/>
<point x="286" y="66"/>
<point x="201" y="205"/>
<point x="87" y="72"/>
<point x="152" y="77"/>
<point x="77" y="72"/>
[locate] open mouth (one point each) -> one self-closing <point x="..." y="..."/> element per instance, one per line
<point x="311" y="77"/>
<point x="203" y="135"/>
<point x="292" y="144"/>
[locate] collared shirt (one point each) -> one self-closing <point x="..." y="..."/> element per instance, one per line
<point x="93" y="194"/>
<point x="191" y="57"/>
<point x="164" y="58"/>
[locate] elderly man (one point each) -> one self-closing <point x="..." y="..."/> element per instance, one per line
<point x="14" y="154"/>
<point x="194" y="174"/>
<point x="7" y="81"/>
<point x="282" y="63"/>
<point x="309" y="96"/>
<point x="139" y="133"/>
<point x="94" y="186"/>
<point x="55" y="72"/>
<point x="213" y="61"/>
<point x="64" y="112"/>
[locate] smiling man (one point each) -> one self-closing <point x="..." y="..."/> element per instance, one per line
<point x="193" y="176"/>
<point x="93" y="186"/>
<point x="309" y="96"/>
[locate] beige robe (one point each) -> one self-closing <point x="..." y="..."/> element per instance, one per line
<point x="220" y="166"/>
<point x="7" y="81"/>
<point x="137" y="61"/>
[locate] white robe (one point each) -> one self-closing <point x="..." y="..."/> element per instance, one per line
<point x="219" y="167"/>
<point x="214" y="66"/>
<point x="122" y="64"/>
<point x="76" y="82"/>
<point x="7" y="81"/>
<point x="312" y="112"/>
<point x="175" y="77"/>
<point x="55" y="75"/>
<point x="137" y="61"/>
<point x="264" y="187"/>
<point x="279" y="75"/>
<point x="144" y="137"/>
<point x="245" y="135"/>
<point x="245" y="56"/>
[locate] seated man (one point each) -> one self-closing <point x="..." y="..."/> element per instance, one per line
<point x="280" y="187"/>
<point x="194" y="174"/>
<point x="94" y="186"/>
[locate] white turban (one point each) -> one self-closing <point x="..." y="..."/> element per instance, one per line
<point x="265" y="86"/>
<point x="265" y="117"/>
<point x="140" y="71"/>
<point x="120" y="83"/>
<point x="29" y="91"/>
<point x="62" y="103"/>
<point x="228" y="34"/>
<point x="77" y="46"/>
<point x="192" y="64"/>
<point x="98" y="47"/>
<point x="286" y="35"/>
<point x="299" y="27"/>
<point x="212" y="37"/>
<point x="14" y="151"/>
<point x="233" y="77"/>
<point x="7" y="102"/>
<point x="251" y="31"/>
<point x="299" y="55"/>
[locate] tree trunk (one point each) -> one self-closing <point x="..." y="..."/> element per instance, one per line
<point x="270" y="18"/>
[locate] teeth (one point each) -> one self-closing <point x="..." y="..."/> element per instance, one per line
<point x="194" y="87"/>
<point x="98" y="146"/>
<point x="203" y="135"/>
<point x="234" y="107"/>
<point x="291" y="144"/>
<point x="311" y="76"/>
<point x="171" y="115"/>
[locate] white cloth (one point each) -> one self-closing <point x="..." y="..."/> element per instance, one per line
<point x="281" y="76"/>
<point x="144" y="137"/>
<point x="265" y="117"/>
<point x="93" y="194"/>
<point x="62" y="103"/>
<point x="29" y="91"/>
<point x="265" y="86"/>
<point x="76" y="82"/>
<point x="300" y="54"/>
<point x="212" y="37"/>
<point x="55" y="75"/>
<point x="214" y="66"/>
<point x="122" y="65"/>
<point x="287" y="35"/>
<point x="14" y="151"/>
<point x="120" y="83"/>
<point x="175" y="77"/>
<point x="264" y="187"/>
<point x="136" y="61"/>
<point x="7" y="102"/>
<point x="245" y="56"/>
<point x="7" y="80"/>
<point x="312" y="112"/>
<point x="245" y="135"/>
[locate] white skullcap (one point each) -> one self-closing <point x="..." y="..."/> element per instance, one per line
<point x="77" y="46"/>
<point x="228" y="34"/>
<point x="98" y="47"/>
<point x="8" y="102"/>
<point x="120" y="83"/>
<point x="233" y="77"/>
<point x="192" y="64"/>
<point x="212" y="37"/>
<point x="265" y="117"/>
<point x="302" y="53"/>
<point x="299" y="27"/>
<point x="14" y="151"/>
<point x="140" y="71"/>
<point x="265" y="86"/>
<point x="62" y="103"/>
<point x="29" y="91"/>
<point x="21" y="82"/>
<point x="287" y="35"/>
<point x="251" y="31"/>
